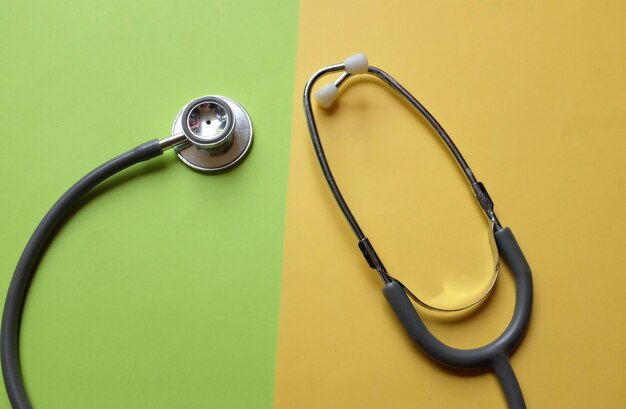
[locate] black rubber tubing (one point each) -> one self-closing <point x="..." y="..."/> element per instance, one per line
<point x="25" y="270"/>
<point x="494" y="355"/>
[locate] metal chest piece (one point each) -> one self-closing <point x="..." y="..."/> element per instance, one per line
<point x="218" y="132"/>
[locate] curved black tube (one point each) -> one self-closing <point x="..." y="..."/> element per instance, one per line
<point x="494" y="355"/>
<point x="25" y="270"/>
<point x="508" y="381"/>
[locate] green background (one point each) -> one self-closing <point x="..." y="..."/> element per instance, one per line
<point x="164" y="291"/>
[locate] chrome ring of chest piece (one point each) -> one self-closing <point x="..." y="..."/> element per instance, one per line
<point x="212" y="134"/>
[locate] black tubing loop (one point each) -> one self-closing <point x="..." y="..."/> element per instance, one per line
<point x="26" y="266"/>
<point x="508" y="381"/>
<point x="485" y="356"/>
<point x="494" y="355"/>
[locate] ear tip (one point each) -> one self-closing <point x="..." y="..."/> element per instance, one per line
<point x="326" y="95"/>
<point x="356" y="64"/>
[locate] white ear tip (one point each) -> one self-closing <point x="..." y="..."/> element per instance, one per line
<point x="356" y="64"/>
<point x="326" y="95"/>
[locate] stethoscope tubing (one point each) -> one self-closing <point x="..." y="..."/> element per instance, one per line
<point x="32" y="254"/>
<point x="494" y="355"/>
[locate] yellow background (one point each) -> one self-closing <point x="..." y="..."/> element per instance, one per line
<point x="533" y="94"/>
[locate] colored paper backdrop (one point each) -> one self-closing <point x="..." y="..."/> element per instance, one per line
<point x="173" y="289"/>
<point x="532" y="93"/>
<point x="162" y="291"/>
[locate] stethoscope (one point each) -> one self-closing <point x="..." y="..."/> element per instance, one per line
<point x="210" y="134"/>
<point x="494" y="355"/>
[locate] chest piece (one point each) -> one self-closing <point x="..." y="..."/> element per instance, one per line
<point x="218" y="132"/>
